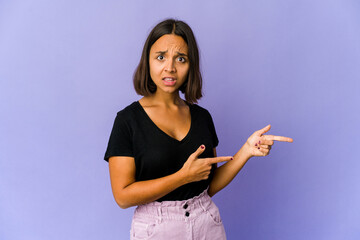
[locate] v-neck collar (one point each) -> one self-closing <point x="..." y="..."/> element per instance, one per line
<point x="164" y="133"/>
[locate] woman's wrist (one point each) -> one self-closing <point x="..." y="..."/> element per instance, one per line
<point x="245" y="151"/>
<point x="181" y="176"/>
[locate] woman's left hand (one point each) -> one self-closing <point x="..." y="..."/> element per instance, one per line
<point x="260" y="145"/>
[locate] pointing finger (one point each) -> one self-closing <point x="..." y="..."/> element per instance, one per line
<point x="219" y="159"/>
<point x="278" y="138"/>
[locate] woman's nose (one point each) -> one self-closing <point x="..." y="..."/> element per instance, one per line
<point x="170" y="66"/>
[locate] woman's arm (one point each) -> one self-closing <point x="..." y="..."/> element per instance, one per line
<point x="224" y="174"/>
<point x="256" y="145"/>
<point x="127" y="192"/>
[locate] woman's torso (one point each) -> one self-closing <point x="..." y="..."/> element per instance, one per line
<point x="157" y="153"/>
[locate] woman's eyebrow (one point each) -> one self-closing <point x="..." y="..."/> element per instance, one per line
<point x="179" y="53"/>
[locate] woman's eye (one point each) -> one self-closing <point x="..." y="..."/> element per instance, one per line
<point x="160" y="57"/>
<point x="182" y="59"/>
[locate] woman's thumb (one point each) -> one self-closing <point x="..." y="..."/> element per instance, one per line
<point x="264" y="130"/>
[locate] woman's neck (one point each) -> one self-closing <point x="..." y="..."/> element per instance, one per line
<point x="164" y="99"/>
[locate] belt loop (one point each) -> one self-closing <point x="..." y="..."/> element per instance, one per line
<point x="160" y="214"/>
<point x="204" y="198"/>
<point x="201" y="203"/>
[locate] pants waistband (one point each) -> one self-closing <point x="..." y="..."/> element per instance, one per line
<point x="185" y="209"/>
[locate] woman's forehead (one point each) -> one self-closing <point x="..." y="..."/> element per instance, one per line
<point x="170" y="43"/>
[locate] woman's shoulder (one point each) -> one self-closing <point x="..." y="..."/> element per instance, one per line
<point x="129" y="110"/>
<point x="199" y="108"/>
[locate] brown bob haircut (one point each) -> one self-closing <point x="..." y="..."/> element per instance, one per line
<point x="192" y="87"/>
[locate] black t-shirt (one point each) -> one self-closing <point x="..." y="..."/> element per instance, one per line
<point x="157" y="154"/>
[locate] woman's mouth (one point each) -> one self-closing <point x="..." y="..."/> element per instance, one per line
<point x="168" y="81"/>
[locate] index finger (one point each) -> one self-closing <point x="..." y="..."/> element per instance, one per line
<point x="219" y="159"/>
<point x="277" y="138"/>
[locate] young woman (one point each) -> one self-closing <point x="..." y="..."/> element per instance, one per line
<point x="162" y="149"/>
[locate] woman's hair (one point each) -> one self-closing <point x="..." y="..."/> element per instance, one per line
<point x="192" y="87"/>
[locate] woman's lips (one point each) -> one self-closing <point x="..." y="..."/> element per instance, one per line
<point x="169" y="81"/>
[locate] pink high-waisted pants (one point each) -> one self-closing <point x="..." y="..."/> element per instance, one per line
<point x="197" y="218"/>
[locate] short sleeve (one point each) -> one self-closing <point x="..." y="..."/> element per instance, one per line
<point x="120" y="142"/>
<point x="215" y="140"/>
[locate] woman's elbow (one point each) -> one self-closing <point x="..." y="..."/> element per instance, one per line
<point x="122" y="204"/>
<point x="122" y="201"/>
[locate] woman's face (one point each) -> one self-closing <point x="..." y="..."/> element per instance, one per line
<point x="169" y="63"/>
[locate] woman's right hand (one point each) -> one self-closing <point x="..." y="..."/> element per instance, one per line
<point x="197" y="169"/>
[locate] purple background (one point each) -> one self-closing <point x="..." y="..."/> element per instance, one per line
<point x="66" y="69"/>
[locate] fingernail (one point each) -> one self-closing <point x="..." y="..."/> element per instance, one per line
<point x="255" y="144"/>
<point x="231" y="158"/>
<point x="202" y="146"/>
<point x="258" y="148"/>
<point x="259" y="142"/>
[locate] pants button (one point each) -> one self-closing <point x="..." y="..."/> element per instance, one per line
<point x="187" y="214"/>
